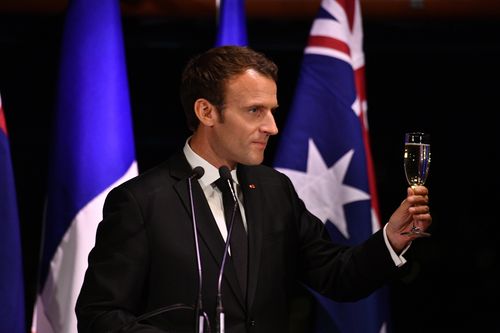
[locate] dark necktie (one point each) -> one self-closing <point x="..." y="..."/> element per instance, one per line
<point x="238" y="241"/>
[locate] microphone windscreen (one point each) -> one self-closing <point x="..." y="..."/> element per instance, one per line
<point x="225" y="173"/>
<point x="197" y="173"/>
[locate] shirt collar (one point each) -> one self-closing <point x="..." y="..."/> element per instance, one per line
<point x="211" y="173"/>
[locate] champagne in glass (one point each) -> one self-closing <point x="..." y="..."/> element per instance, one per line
<point x="417" y="157"/>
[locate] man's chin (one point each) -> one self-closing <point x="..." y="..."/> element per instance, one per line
<point x="253" y="161"/>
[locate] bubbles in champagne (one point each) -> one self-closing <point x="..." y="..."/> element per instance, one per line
<point x="417" y="157"/>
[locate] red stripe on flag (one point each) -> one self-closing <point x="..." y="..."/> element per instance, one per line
<point x="329" y="42"/>
<point x="359" y="76"/>
<point x="349" y="6"/>
<point x="3" y="124"/>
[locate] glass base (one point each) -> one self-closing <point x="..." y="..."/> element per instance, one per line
<point x="416" y="232"/>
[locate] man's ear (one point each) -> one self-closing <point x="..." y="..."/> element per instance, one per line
<point x="206" y="112"/>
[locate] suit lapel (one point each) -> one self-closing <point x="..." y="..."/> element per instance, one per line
<point x="252" y="199"/>
<point x="207" y="227"/>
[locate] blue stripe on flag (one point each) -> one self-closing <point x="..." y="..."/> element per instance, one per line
<point x="12" y="318"/>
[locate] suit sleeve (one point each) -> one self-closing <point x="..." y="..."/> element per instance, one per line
<point x="339" y="272"/>
<point x="111" y="295"/>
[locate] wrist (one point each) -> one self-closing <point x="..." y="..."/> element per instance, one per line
<point x="397" y="241"/>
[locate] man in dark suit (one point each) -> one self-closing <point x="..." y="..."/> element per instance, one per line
<point x="145" y="258"/>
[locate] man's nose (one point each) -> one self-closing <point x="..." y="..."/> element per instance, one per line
<point x="269" y="124"/>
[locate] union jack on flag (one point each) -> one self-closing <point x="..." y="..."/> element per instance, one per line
<point x="325" y="151"/>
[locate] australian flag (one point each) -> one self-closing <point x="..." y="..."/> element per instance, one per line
<point x="324" y="149"/>
<point x="92" y="152"/>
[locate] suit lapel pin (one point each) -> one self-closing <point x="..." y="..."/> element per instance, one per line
<point x="252" y="186"/>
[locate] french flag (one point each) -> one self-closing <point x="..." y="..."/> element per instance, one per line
<point x="11" y="263"/>
<point x="92" y="152"/>
<point x="324" y="149"/>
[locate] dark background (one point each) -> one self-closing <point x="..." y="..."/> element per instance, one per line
<point x="433" y="73"/>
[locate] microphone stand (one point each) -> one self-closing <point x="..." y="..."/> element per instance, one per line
<point x="199" y="317"/>
<point x="220" y="318"/>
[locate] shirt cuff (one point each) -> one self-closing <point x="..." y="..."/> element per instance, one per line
<point x="399" y="260"/>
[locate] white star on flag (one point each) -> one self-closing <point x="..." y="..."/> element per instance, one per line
<point x="322" y="188"/>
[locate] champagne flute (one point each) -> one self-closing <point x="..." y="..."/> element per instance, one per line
<point x="417" y="157"/>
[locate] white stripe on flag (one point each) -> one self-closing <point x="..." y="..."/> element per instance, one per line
<point x="330" y="28"/>
<point x="336" y="10"/>
<point x="375" y="221"/>
<point x="68" y="267"/>
<point x="326" y="51"/>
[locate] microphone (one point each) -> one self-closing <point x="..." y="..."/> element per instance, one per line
<point x="226" y="175"/>
<point x="196" y="174"/>
<point x="220" y="322"/>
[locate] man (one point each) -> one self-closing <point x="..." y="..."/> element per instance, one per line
<point x="144" y="258"/>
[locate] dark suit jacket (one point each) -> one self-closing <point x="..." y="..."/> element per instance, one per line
<point x="144" y="257"/>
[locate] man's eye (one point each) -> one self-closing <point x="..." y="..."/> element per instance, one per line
<point x="253" y="110"/>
